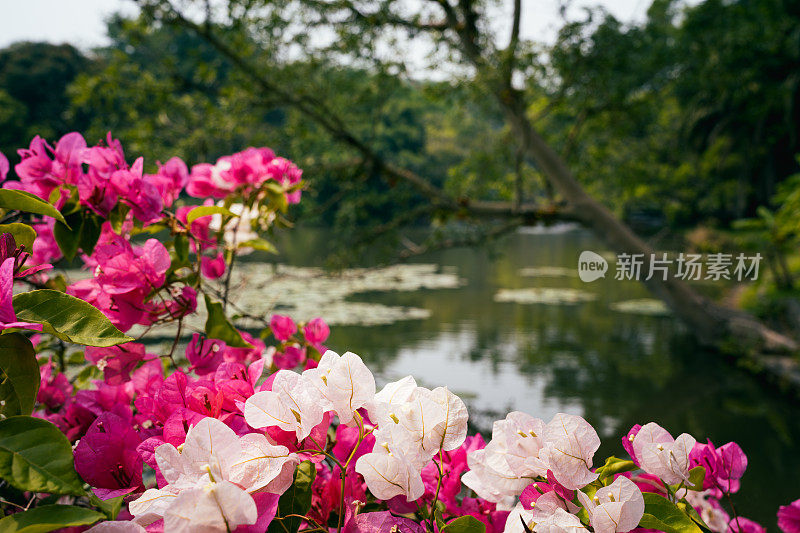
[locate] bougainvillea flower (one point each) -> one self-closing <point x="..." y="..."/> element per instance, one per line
<point x="106" y="456"/>
<point x="615" y="508"/>
<point x="570" y="444"/>
<point x="661" y="455"/>
<point x="389" y="474"/>
<point x="316" y="331"/>
<point x="220" y="506"/>
<point x="293" y="404"/>
<point x="282" y="327"/>
<point x="3" y="167"/>
<point x="789" y="517"/>
<point x="204" y="354"/>
<point x="345" y="383"/>
<point x="745" y="525"/>
<point x="8" y="318"/>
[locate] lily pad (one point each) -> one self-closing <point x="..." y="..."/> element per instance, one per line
<point x="546" y="296"/>
<point x="641" y="306"/>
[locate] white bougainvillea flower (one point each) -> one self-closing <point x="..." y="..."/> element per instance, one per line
<point x="345" y="383"/>
<point x="390" y="474"/>
<point x="510" y="462"/>
<point x="615" y="508"/>
<point x="213" y="453"/>
<point x="214" y="507"/>
<point x="570" y="444"/>
<point x="661" y="455"/>
<point x="518" y="519"/>
<point x="453" y="426"/>
<point x="262" y="465"/>
<point x="293" y="404"/>
<point x="491" y="478"/>
<point x="560" y="522"/>
<point x="393" y="395"/>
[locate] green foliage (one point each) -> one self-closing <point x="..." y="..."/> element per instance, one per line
<point x="22" y="233"/>
<point x="49" y="518"/>
<point x="464" y="524"/>
<point x="663" y="515"/>
<point x="219" y="327"/>
<point x="33" y="92"/>
<point x="36" y="456"/>
<point x="614" y="466"/>
<point x="27" y="202"/>
<point x="207" y="210"/>
<point x="81" y="232"/>
<point x="68" y="318"/>
<point x="295" y="501"/>
<point x="19" y="375"/>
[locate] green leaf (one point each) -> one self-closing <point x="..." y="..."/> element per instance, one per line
<point x="296" y="500"/>
<point x="258" y="244"/>
<point x="110" y="507"/>
<point x="82" y="232"/>
<point x="615" y="466"/>
<point x="24" y="235"/>
<point x="49" y="518"/>
<point x="697" y="476"/>
<point x="464" y="524"/>
<point x="25" y="201"/>
<point x="663" y="515"/>
<point x="19" y="375"/>
<point x="181" y="244"/>
<point x="68" y="318"/>
<point x="207" y="210"/>
<point x="219" y="327"/>
<point x="36" y="456"/>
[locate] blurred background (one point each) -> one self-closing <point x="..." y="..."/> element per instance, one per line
<point x="433" y="235"/>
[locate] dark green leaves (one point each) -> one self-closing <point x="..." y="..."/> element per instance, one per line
<point x="68" y="318"/>
<point x="663" y="515"/>
<point x="295" y="501"/>
<point x="36" y="456"/>
<point x="219" y="327"/>
<point x="81" y="232"/>
<point x="23" y="234"/>
<point x="49" y="518"/>
<point x="25" y="201"/>
<point x="19" y="375"/>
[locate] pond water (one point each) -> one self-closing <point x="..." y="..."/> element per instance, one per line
<point x="513" y="328"/>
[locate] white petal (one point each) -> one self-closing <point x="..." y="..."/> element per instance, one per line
<point x="170" y="463"/>
<point x="390" y="475"/>
<point x="216" y="507"/>
<point x="120" y="526"/>
<point x="455" y="418"/>
<point x="210" y="446"/>
<point x="349" y="386"/>
<point x="259" y="463"/>
<point x="152" y="505"/>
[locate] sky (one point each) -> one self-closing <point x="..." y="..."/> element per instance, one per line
<point x="81" y="22"/>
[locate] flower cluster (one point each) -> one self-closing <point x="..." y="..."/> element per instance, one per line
<point x="211" y="432"/>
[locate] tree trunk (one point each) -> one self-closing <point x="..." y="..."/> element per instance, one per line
<point x="712" y="324"/>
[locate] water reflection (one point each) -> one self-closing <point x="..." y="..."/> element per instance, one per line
<point x="615" y="368"/>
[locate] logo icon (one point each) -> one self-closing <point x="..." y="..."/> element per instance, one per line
<point x="591" y="266"/>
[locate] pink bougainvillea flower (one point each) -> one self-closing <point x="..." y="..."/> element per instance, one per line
<point x="789" y="517"/>
<point x="8" y="318"/>
<point x="116" y="362"/>
<point x="204" y="354"/>
<point x="282" y="327"/>
<point x="106" y="456"/>
<point x="170" y="180"/>
<point x="55" y="389"/>
<point x="745" y="525"/>
<point x="627" y="442"/>
<point x="3" y="167"/>
<point x="316" y="331"/>
<point x="290" y="358"/>
<point x="734" y="464"/>
<point x="212" y="267"/>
